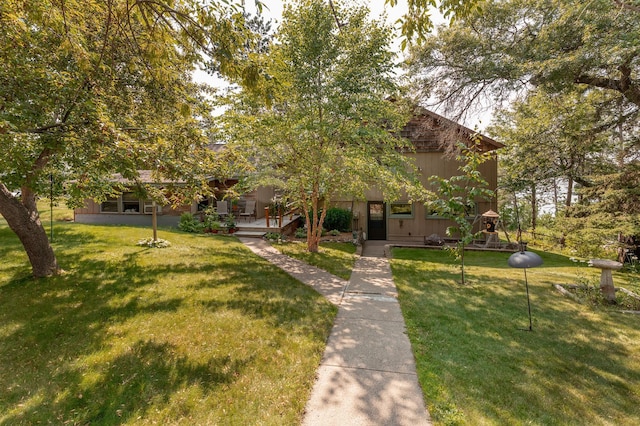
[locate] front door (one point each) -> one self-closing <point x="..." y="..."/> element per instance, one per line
<point x="377" y="220"/>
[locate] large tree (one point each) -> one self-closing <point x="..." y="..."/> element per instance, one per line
<point x="514" y="45"/>
<point x="327" y="129"/>
<point x="573" y="69"/>
<point x="553" y="142"/>
<point x="91" y="88"/>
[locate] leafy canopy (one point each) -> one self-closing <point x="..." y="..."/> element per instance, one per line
<point x="513" y="45"/>
<point x="90" y="88"/>
<point x="327" y="129"/>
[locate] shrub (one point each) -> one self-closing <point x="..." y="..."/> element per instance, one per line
<point x="230" y="222"/>
<point x="149" y="242"/>
<point x="211" y="219"/>
<point x="301" y="233"/>
<point x="334" y="232"/>
<point x="189" y="223"/>
<point x="339" y="219"/>
<point x="274" y="236"/>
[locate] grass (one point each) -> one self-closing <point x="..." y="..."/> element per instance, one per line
<point x="336" y="258"/>
<point x="202" y="332"/>
<point x="476" y="365"/>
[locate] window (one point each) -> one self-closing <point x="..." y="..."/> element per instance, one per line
<point x="130" y="203"/>
<point x="401" y="210"/>
<point x="471" y="211"/>
<point x="203" y="204"/>
<point x="432" y="214"/>
<point x="110" y="205"/>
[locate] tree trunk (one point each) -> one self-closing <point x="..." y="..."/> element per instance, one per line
<point x="462" y="262"/>
<point x="24" y="220"/>
<point x="154" y="221"/>
<point x="569" y="192"/>
<point x="555" y="196"/>
<point x="534" y="208"/>
<point x="313" y="239"/>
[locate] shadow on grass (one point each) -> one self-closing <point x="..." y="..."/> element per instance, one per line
<point x="147" y="374"/>
<point x="477" y="365"/>
<point x="496" y="260"/>
<point x="66" y="343"/>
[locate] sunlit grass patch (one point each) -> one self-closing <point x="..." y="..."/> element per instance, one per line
<point x="476" y="362"/>
<point x="336" y="258"/>
<point x="200" y="332"/>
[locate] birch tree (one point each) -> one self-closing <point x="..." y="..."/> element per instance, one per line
<point x="328" y="128"/>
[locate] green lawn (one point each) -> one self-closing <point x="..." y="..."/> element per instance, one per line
<point x="336" y="258"/>
<point x="477" y="365"/>
<point x="202" y="332"/>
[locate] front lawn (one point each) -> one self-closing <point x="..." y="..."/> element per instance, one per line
<point x="476" y="362"/>
<point x="201" y="332"/>
<point x="333" y="257"/>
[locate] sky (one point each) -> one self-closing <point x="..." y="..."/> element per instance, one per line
<point x="274" y="9"/>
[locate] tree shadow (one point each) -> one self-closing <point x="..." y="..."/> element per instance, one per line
<point x="147" y="373"/>
<point x="51" y="329"/>
<point x="473" y="350"/>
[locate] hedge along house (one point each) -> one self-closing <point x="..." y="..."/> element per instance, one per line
<point x="402" y="220"/>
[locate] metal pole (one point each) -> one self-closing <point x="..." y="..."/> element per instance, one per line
<point x="526" y="283"/>
<point x="154" y="221"/>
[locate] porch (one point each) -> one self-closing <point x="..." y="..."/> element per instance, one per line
<point x="257" y="228"/>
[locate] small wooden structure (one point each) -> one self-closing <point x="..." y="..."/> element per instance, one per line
<point x="489" y="225"/>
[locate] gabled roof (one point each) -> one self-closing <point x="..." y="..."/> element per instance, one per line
<point x="431" y="132"/>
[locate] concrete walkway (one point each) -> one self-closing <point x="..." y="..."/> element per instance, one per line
<point x="367" y="375"/>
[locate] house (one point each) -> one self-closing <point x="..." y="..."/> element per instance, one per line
<point x="128" y="209"/>
<point x="402" y="220"/>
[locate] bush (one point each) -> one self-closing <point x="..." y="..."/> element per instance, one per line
<point x="189" y="223"/>
<point x="334" y="232"/>
<point x="149" y="242"/>
<point x="211" y="219"/>
<point x="274" y="237"/>
<point x="230" y="222"/>
<point x="301" y="233"/>
<point x="339" y="219"/>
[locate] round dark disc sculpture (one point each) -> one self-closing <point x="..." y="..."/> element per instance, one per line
<point x="524" y="259"/>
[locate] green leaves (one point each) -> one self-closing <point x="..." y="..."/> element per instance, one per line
<point x="510" y="45"/>
<point x="106" y="87"/>
<point x="327" y="130"/>
<point x="454" y="198"/>
<point x="92" y="88"/>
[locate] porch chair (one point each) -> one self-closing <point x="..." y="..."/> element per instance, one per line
<point x="249" y="210"/>
<point x="222" y="208"/>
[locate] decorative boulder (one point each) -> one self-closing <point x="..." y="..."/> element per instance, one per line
<point x="433" y="240"/>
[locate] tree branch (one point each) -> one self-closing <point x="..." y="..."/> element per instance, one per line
<point x="624" y="86"/>
<point x="45" y="129"/>
<point x="625" y="5"/>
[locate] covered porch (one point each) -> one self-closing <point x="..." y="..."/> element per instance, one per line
<point x="257" y="228"/>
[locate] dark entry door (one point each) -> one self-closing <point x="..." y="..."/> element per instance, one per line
<point x="377" y="221"/>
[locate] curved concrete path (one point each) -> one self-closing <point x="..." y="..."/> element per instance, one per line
<point x="367" y="375"/>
